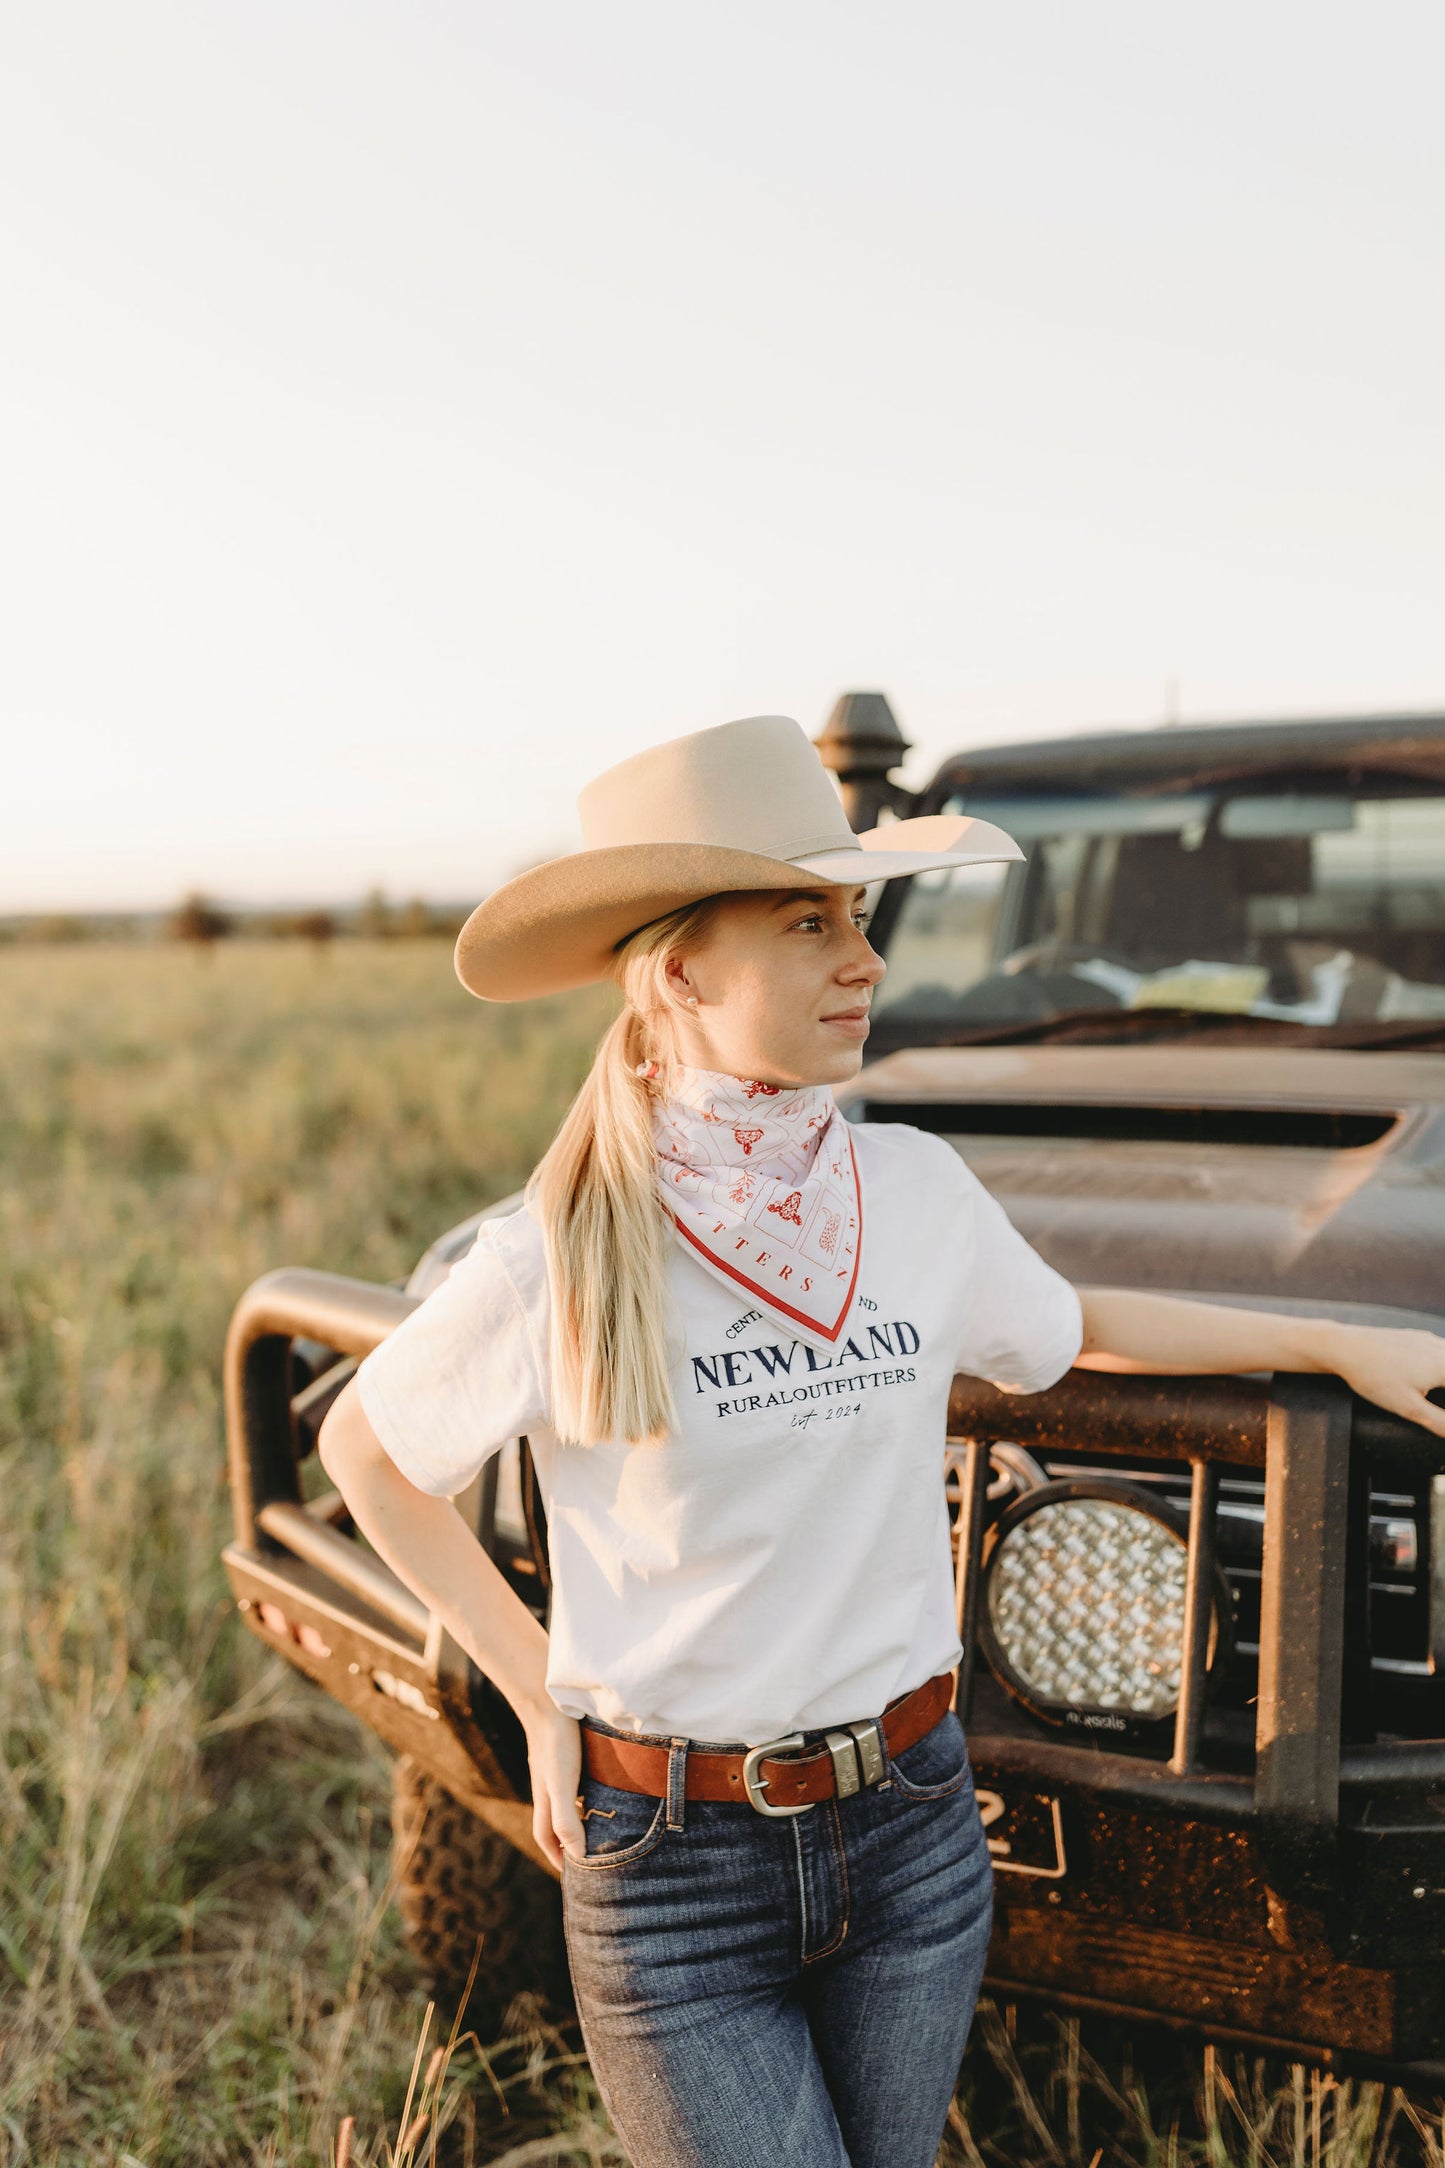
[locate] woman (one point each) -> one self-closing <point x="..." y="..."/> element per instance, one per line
<point x="727" y="1320"/>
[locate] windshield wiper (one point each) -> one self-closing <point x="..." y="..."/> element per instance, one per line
<point x="1108" y="1027"/>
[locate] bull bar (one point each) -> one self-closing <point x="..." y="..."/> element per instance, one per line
<point x="1345" y="1831"/>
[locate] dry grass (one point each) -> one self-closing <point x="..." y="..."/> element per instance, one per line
<point x="198" y="1961"/>
<point x="1044" y="2091"/>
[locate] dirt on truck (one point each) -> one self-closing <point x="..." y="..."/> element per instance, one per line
<point x="1195" y="1042"/>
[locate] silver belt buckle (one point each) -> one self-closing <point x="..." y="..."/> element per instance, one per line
<point x="755" y="1785"/>
<point x="872" y="1749"/>
<point x="859" y="1758"/>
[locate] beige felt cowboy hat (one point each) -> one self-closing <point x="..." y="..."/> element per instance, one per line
<point x="744" y="806"/>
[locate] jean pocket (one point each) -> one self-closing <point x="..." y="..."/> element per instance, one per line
<point x="619" y="1826"/>
<point x="935" y="1766"/>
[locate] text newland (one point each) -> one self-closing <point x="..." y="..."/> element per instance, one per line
<point x="759" y="1365"/>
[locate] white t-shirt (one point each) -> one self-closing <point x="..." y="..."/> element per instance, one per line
<point x="781" y="1561"/>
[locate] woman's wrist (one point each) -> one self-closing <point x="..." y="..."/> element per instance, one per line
<point x="539" y="1713"/>
<point x="1322" y="1344"/>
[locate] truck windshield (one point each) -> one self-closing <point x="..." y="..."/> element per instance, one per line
<point x="1313" y="907"/>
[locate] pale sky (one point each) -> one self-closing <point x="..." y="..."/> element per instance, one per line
<point x="408" y="409"/>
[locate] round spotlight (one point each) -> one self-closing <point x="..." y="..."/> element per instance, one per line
<point x="1082" y="1612"/>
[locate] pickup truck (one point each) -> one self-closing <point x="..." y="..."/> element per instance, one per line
<point x="1195" y="1042"/>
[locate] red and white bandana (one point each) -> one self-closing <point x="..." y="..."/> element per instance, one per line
<point x="763" y="1185"/>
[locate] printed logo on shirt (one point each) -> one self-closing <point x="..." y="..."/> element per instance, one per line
<point x="784" y="1375"/>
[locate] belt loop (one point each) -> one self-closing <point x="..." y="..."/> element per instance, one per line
<point x="676" y="1783"/>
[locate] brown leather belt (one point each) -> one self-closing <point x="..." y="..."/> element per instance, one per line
<point x="849" y="1758"/>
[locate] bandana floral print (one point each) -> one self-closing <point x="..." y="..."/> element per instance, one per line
<point x="762" y="1184"/>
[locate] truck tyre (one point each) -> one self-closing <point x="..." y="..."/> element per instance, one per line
<point x="458" y="1881"/>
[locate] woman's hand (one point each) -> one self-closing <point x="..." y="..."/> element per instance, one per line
<point x="1395" y="1369"/>
<point x="554" y="1755"/>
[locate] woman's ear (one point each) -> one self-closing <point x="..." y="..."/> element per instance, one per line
<point x="674" y="971"/>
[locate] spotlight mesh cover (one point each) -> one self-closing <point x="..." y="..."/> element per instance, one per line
<point x="1086" y="1602"/>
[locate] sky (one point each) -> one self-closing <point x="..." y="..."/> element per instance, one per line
<point x="407" y="410"/>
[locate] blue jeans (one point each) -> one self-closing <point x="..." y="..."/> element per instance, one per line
<point x="782" y="1994"/>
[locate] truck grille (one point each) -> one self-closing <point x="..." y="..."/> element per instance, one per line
<point x="1407" y="1694"/>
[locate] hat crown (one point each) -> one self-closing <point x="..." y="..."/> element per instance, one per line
<point x="754" y="785"/>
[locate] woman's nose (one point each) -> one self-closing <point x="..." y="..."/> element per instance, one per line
<point x="866" y="967"/>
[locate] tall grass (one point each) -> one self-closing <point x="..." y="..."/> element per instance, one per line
<point x="198" y="1961"/>
<point x="1046" y="2091"/>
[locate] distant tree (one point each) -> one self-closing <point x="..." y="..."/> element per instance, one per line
<point x="448" y="919"/>
<point x="316" y="926"/>
<point x="374" y="921"/>
<point x="197" y="919"/>
<point x="60" y="926"/>
<point x="423" y="921"/>
<point x="313" y="925"/>
<point x="415" y="921"/>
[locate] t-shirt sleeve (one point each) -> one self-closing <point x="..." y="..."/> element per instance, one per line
<point x="459" y="1377"/>
<point x="1022" y="1324"/>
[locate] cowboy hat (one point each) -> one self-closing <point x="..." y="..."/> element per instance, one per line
<point x="744" y="806"/>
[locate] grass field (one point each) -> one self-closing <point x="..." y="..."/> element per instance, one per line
<point x="198" y="1963"/>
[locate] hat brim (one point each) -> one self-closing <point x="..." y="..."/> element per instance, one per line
<point x="559" y="925"/>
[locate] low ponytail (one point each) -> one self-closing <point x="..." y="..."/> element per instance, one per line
<point x="605" y="1228"/>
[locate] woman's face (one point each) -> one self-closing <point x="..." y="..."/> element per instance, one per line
<point x="783" y="981"/>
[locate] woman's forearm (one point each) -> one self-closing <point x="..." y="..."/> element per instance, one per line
<point x="426" y="1541"/>
<point x="1167" y="1335"/>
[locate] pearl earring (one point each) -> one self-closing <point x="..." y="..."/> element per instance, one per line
<point x="692" y="1001"/>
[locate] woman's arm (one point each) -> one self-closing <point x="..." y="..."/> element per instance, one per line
<point x="427" y="1542"/>
<point x="1164" y="1334"/>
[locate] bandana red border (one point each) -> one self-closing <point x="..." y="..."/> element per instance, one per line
<point x="774" y="1302"/>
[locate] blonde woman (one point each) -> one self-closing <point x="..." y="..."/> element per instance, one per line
<point x="727" y="1320"/>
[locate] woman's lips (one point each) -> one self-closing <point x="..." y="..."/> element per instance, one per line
<point x="852" y="1023"/>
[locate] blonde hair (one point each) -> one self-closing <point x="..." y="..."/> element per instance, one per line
<point x="603" y="1223"/>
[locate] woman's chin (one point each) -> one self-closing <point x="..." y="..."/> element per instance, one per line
<point x="838" y="1064"/>
<point x="834" y="1061"/>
